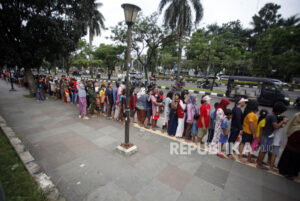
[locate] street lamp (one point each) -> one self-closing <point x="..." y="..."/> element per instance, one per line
<point x="130" y="12"/>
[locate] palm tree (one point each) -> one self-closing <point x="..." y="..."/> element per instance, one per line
<point x="95" y="24"/>
<point x="178" y="15"/>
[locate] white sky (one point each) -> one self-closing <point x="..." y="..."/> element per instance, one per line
<point x="215" y="11"/>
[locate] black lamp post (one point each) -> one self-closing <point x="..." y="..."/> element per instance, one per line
<point x="130" y="12"/>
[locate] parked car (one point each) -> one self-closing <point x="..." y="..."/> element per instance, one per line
<point x="278" y="82"/>
<point x="76" y="73"/>
<point x="121" y="76"/>
<point x="136" y="75"/>
<point x="268" y="93"/>
<point x="224" y="77"/>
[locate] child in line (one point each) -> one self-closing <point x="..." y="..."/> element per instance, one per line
<point x="260" y="126"/>
<point x="102" y="97"/>
<point x="194" y="131"/>
<point x="226" y="126"/>
<point x="67" y="95"/>
<point x="98" y="105"/>
<point x="274" y="152"/>
<point x="159" y="99"/>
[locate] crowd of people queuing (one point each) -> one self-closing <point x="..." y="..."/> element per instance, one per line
<point x="185" y="118"/>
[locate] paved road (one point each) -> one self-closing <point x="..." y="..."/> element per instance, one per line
<point x="292" y="94"/>
<point x="81" y="159"/>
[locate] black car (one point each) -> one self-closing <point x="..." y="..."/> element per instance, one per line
<point x="76" y="73"/>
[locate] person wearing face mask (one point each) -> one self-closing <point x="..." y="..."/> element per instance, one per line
<point x="236" y="124"/>
<point x="203" y="121"/>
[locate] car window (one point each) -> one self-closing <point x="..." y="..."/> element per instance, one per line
<point x="270" y="87"/>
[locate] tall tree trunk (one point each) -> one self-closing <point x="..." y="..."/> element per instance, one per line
<point x="146" y="72"/>
<point x="179" y="56"/>
<point x="30" y="80"/>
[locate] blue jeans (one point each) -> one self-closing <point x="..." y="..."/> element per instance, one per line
<point x="74" y="98"/>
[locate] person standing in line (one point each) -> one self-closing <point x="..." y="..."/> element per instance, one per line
<point x="109" y="100"/>
<point x="118" y="101"/>
<point x="276" y="144"/>
<point x="155" y="108"/>
<point x="249" y="128"/>
<point x="167" y="108"/>
<point x="289" y="163"/>
<point x="212" y="121"/>
<point x="82" y="100"/>
<point x="141" y="105"/>
<point x="92" y="98"/>
<point x="260" y="126"/>
<point x="115" y="92"/>
<point x="52" y="87"/>
<point x="226" y="126"/>
<point x="181" y="106"/>
<point x="148" y="108"/>
<point x="132" y="105"/>
<point x="102" y="98"/>
<point x="220" y="115"/>
<point x="173" y="118"/>
<point x="236" y="125"/>
<point x="192" y="110"/>
<point x="203" y="121"/>
<point x="267" y="136"/>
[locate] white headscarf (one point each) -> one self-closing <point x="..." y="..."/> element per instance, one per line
<point x="141" y="92"/>
<point x="294" y="125"/>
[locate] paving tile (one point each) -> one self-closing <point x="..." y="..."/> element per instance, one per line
<point x="109" y="192"/>
<point x="250" y="173"/>
<point x="220" y="162"/>
<point x="198" y="189"/>
<point x="132" y="180"/>
<point x="157" y="191"/>
<point x="104" y="140"/>
<point x="174" y="177"/>
<point x="150" y="166"/>
<point x="212" y="174"/>
<point x="268" y="194"/>
<point x="240" y="188"/>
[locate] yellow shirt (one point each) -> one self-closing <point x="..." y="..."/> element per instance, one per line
<point x="260" y="125"/>
<point x="251" y="117"/>
<point x="102" y="94"/>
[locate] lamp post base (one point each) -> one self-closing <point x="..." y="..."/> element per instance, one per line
<point x="12" y="90"/>
<point x="127" y="150"/>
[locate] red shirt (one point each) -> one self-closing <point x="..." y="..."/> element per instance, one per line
<point x="205" y="113"/>
<point x="180" y="112"/>
<point x="132" y="102"/>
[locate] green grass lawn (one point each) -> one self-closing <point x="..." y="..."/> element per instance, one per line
<point x="17" y="183"/>
<point x="196" y="89"/>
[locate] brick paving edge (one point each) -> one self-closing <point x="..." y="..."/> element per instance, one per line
<point x="42" y="179"/>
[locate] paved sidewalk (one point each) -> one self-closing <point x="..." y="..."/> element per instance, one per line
<point x="80" y="158"/>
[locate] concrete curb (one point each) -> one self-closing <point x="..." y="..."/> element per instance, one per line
<point x="197" y="92"/>
<point x="44" y="182"/>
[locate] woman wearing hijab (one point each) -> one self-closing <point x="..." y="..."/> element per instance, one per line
<point x="168" y="101"/>
<point x="220" y="115"/>
<point x="141" y="105"/>
<point x="181" y="113"/>
<point x="173" y="118"/>
<point x="191" y="111"/>
<point x="289" y="163"/>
